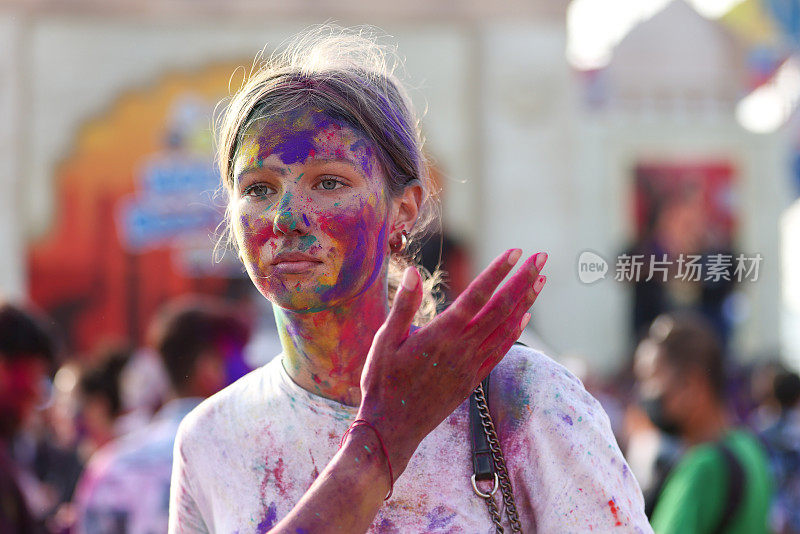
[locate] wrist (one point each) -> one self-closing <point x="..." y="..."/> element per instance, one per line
<point x="400" y="445"/>
<point x="362" y="446"/>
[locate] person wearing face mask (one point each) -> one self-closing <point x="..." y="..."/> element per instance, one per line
<point x="722" y="481"/>
<point x="362" y="423"/>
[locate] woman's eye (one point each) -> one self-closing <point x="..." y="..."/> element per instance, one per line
<point x="257" y="190"/>
<point x="330" y="184"/>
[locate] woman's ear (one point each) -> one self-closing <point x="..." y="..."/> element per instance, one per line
<point x="407" y="206"/>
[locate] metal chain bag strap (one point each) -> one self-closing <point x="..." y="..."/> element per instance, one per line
<point x="487" y="459"/>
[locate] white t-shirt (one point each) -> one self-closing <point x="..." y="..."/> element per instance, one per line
<point x="245" y="456"/>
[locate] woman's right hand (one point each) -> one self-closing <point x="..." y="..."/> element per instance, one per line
<point x="411" y="382"/>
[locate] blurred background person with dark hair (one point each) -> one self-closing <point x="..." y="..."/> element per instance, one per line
<point x="125" y="487"/>
<point x="99" y="399"/>
<point x="27" y="354"/>
<point x="722" y="482"/>
<point x="679" y="229"/>
<point x="783" y="442"/>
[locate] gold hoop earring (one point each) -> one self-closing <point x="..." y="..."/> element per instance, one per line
<point x="398" y="246"/>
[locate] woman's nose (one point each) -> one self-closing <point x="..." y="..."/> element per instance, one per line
<point x="288" y="216"/>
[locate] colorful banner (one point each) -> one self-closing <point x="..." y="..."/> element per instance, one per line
<point x="137" y="213"/>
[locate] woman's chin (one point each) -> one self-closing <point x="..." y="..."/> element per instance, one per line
<point x="304" y="295"/>
<point x="301" y="301"/>
<point x="296" y="301"/>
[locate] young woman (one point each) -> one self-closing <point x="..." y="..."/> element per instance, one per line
<point x="322" y="159"/>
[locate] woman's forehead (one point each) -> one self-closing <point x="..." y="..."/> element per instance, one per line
<point x="295" y="136"/>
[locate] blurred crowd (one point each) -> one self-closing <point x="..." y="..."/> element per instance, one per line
<point x="86" y="442"/>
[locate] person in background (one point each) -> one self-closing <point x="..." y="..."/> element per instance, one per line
<point x="764" y="410"/>
<point x="125" y="487"/>
<point x="783" y="442"/>
<point x="144" y="388"/>
<point x="679" y="229"/>
<point x="27" y="353"/>
<point x="722" y="483"/>
<point x="46" y="449"/>
<point x="99" y="399"/>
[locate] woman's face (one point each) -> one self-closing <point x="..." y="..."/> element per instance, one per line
<point x="310" y="210"/>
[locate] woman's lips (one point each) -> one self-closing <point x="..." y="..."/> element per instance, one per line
<point x="294" y="267"/>
<point x="294" y="262"/>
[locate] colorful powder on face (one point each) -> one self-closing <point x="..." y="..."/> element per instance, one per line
<point x="300" y="134"/>
<point x="306" y="241"/>
<point x="365" y="153"/>
<point x="352" y="250"/>
<point x="358" y="246"/>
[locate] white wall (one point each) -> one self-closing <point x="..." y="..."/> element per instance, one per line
<point x="529" y="195"/>
<point x="790" y="313"/>
<point x="12" y="259"/>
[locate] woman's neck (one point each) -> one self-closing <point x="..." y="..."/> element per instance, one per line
<point x="324" y="352"/>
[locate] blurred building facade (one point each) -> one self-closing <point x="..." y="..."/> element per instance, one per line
<point x="533" y="154"/>
<point x="668" y="97"/>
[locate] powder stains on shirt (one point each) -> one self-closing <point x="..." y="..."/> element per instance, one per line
<point x="250" y="448"/>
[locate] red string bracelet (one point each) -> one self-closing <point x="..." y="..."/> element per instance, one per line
<point x="380" y="440"/>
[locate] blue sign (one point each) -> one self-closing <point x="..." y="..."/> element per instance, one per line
<point x="174" y="202"/>
<point x="169" y="175"/>
<point x="147" y="223"/>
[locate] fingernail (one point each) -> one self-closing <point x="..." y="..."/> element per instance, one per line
<point x="514" y="255"/>
<point x="541" y="259"/>
<point x="539" y="283"/>
<point x="524" y="322"/>
<point x="410" y="279"/>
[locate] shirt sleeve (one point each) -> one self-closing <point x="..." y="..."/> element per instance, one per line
<point x="184" y="513"/>
<point x="692" y="495"/>
<point x="574" y="476"/>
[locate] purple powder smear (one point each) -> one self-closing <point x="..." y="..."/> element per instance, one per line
<point x="440" y="518"/>
<point x="269" y="520"/>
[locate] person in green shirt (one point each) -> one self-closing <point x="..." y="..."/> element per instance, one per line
<point x="722" y="483"/>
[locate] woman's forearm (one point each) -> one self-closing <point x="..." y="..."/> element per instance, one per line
<point x="347" y="494"/>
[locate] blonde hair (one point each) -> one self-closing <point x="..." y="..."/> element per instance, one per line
<point x="347" y="74"/>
